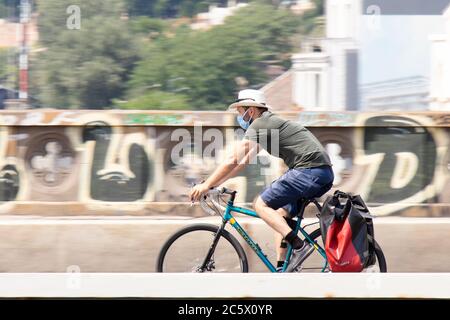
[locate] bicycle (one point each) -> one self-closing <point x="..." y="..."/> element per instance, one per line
<point x="230" y="254"/>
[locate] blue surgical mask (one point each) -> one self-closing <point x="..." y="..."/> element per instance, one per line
<point x="244" y="124"/>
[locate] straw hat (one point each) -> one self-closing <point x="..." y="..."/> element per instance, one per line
<point x="250" y="98"/>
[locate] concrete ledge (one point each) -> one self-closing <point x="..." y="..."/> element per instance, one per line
<point x="400" y="285"/>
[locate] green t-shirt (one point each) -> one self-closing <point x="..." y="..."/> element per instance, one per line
<point x="297" y="146"/>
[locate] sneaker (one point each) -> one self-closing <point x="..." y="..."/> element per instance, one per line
<point x="298" y="256"/>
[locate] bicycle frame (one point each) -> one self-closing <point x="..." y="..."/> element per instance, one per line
<point x="228" y="217"/>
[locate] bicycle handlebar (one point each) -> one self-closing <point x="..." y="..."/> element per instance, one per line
<point x="228" y="191"/>
<point x="213" y="195"/>
<point x="222" y="190"/>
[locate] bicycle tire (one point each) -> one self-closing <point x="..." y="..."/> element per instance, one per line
<point x="381" y="260"/>
<point x="202" y="227"/>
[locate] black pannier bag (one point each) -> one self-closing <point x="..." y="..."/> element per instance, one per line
<point x="347" y="232"/>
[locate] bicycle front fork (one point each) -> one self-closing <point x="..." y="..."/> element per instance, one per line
<point x="208" y="264"/>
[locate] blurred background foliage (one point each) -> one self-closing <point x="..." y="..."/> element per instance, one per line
<point x="8" y="68"/>
<point x="139" y="54"/>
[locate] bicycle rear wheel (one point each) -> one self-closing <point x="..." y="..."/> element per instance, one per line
<point x="315" y="261"/>
<point x="187" y="249"/>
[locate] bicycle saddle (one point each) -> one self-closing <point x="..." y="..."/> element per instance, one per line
<point x="302" y="203"/>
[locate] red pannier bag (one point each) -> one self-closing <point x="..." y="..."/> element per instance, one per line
<point x="347" y="232"/>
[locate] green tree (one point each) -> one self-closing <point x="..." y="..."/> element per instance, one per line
<point x="141" y="8"/>
<point x="169" y="8"/>
<point x="204" y="65"/>
<point x="148" y="27"/>
<point x="178" y="68"/>
<point x="8" y="68"/>
<point x="156" y="100"/>
<point x="3" y="64"/>
<point x="9" y="9"/>
<point x="3" y="10"/>
<point x="53" y="15"/>
<point x="85" y="68"/>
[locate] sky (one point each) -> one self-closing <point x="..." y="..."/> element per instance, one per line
<point x="397" y="46"/>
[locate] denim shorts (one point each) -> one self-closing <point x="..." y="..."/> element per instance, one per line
<point x="295" y="184"/>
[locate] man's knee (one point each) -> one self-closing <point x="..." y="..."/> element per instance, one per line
<point x="260" y="204"/>
<point x="282" y="212"/>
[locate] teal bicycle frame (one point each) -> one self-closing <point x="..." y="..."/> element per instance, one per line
<point x="228" y="217"/>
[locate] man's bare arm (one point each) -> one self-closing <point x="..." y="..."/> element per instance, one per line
<point x="242" y="155"/>
<point x="241" y="165"/>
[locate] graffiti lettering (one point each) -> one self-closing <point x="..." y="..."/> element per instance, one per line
<point x="124" y="180"/>
<point x="146" y="161"/>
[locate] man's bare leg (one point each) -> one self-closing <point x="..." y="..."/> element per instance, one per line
<point x="281" y="252"/>
<point x="278" y="223"/>
<point x="272" y="217"/>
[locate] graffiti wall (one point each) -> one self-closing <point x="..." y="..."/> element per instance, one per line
<point x="143" y="163"/>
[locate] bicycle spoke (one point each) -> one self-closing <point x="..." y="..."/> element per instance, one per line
<point x="188" y="252"/>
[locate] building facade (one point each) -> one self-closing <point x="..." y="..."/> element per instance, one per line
<point x="440" y="68"/>
<point x="326" y="72"/>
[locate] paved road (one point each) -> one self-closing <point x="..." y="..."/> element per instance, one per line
<point x="95" y="244"/>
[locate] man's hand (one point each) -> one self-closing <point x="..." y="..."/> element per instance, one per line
<point x="197" y="191"/>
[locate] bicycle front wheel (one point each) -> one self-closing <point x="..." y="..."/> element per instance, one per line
<point x="187" y="250"/>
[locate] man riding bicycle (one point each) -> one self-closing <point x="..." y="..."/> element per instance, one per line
<point x="309" y="173"/>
